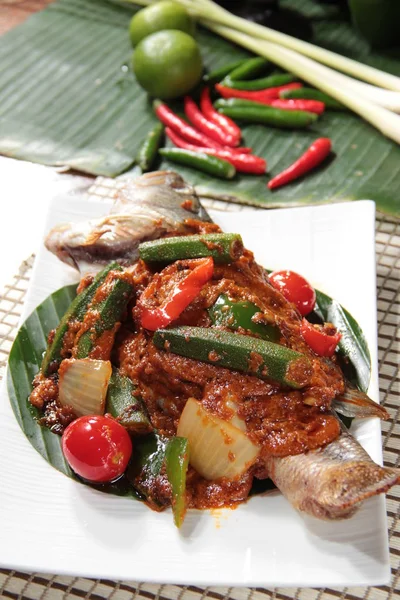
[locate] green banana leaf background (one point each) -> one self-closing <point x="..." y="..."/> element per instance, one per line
<point x="26" y="357"/>
<point x="68" y="97"/>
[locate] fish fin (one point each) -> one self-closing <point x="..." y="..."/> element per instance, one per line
<point x="356" y="404"/>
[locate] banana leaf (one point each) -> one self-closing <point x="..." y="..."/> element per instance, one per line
<point x="68" y="97"/>
<point x="26" y="357"/>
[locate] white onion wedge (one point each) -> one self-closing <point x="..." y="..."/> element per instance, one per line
<point x="217" y="448"/>
<point x="83" y="385"/>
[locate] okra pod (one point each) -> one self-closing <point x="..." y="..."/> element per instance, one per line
<point x="149" y="149"/>
<point x="241" y="314"/>
<point x="311" y="94"/>
<point x="75" y="312"/>
<point x="254" y="112"/>
<point x="176" y="463"/>
<point x="260" y="84"/>
<point x="108" y="311"/>
<point x="202" y="162"/>
<point x="126" y="405"/>
<point x="223" y="247"/>
<point x="250" y="355"/>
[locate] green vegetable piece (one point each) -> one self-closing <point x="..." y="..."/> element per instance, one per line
<point x="251" y="68"/>
<point x="353" y="344"/>
<point x="254" y="112"/>
<point x="201" y="162"/>
<point x="110" y="311"/>
<point x="125" y="406"/>
<point x="311" y="94"/>
<point x="177" y="462"/>
<point x="218" y="74"/>
<point x="149" y="149"/>
<point x="263" y="359"/>
<point x="223" y="247"/>
<point x="75" y="312"/>
<point x="260" y="84"/>
<point x="234" y="314"/>
<point x="148" y="458"/>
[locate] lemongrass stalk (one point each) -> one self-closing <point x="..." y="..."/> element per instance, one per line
<point x="381" y="118"/>
<point x="209" y="10"/>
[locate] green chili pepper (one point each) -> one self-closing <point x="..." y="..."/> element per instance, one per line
<point x="250" y="355"/>
<point x="177" y="462"/>
<point x="260" y="84"/>
<point x="148" y="150"/>
<point x="255" y="112"/>
<point x="109" y="312"/>
<point x="223" y="247"/>
<point x="200" y="161"/>
<point x="125" y="406"/>
<point x="311" y="94"/>
<point x="219" y="74"/>
<point x="240" y="314"/>
<point x="75" y="312"/>
<point x="251" y="68"/>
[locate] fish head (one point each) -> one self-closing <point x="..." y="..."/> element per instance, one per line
<point x="145" y="208"/>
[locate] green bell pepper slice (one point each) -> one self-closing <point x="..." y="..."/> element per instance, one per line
<point x="239" y="314"/>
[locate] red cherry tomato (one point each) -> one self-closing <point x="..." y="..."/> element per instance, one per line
<point x="97" y="448"/>
<point x="296" y="289"/>
<point x="323" y="339"/>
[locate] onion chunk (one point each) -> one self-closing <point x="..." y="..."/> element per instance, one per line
<point x="83" y="385"/>
<point x="217" y="448"/>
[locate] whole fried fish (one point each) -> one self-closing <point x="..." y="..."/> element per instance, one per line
<point x="146" y="208"/>
<point x="328" y="483"/>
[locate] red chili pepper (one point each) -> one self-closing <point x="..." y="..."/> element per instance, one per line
<point x="323" y="339"/>
<point x="245" y="163"/>
<point x="207" y="127"/>
<point x="315" y="154"/>
<point x="180" y="297"/>
<point x="239" y="149"/>
<point x="224" y="122"/>
<point x="262" y="96"/>
<point x="314" y="106"/>
<point x="170" y="119"/>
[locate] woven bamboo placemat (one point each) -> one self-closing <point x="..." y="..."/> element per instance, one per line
<point x="29" y="586"/>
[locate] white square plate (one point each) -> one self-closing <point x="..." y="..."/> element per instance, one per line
<point x="50" y="523"/>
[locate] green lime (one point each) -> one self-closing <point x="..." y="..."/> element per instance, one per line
<point x="161" y="15"/>
<point x="167" y="64"/>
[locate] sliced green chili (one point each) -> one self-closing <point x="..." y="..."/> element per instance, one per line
<point x="250" y="355"/>
<point x="177" y="462"/>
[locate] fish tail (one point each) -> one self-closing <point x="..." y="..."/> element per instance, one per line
<point x="356" y="404"/>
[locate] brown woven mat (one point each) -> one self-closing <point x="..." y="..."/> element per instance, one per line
<point x="18" y="585"/>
